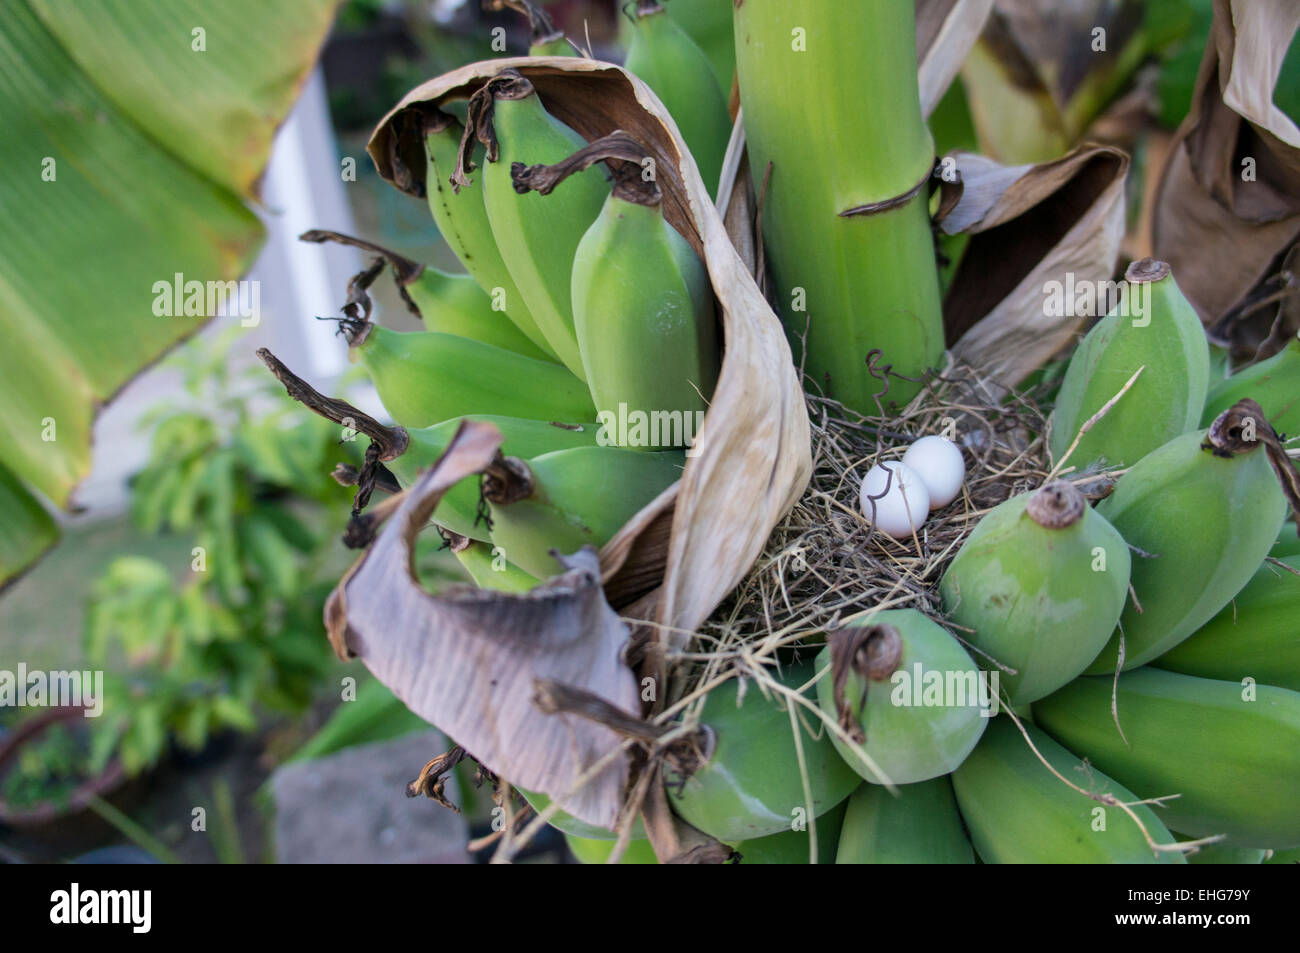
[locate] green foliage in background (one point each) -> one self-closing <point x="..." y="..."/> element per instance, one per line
<point x="198" y="648"/>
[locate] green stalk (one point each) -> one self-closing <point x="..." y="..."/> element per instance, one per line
<point x="831" y="100"/>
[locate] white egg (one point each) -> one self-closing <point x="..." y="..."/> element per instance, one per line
<point x="900" y="502"/>
<point x="939" y="464"/>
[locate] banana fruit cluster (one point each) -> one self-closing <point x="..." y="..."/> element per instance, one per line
<point x="584" y="326"/>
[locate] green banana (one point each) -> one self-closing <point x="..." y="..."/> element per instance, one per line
<point x="490" y="570"/>
<point x="450" y="303"/>
<point x="425" y="377"/>
<point x="792" y="847"/>
<point x="830" y="99"/>
<point x="919" y="825"/>
<point x="1231" y="752"/>
<point x="463" y="222"/>
<point x="1274" y="384"/>
<point x="912" y="697"/>
<point x="1018" y="812"/>
<point x="1154" y="327"/>
<point x="1256" y="635"/>
<point x="1041" y="581"/>
<point x="708" y="23"/>
<point x="1220" y="854"/>
<point x="571" y="498"/>
<point x="458" y="510"/>
<point x="571" y="826"/>
<point x="596" y="851"/>
<point x="1288" y="541"/>
<point x="537" y="236"/>
<point x="455" y="304"/>
<point x="642" y="304"/>
<point x="1206" y="507"/>
<point x="752" y="786"/>
<point x="666" y="59"/>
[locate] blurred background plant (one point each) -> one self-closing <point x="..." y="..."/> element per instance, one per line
<point x="237" y="472"/>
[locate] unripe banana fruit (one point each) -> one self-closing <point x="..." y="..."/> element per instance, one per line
<point x="424" y="378"/>
<point x="462" y="220"/>
<point x="571" y="826"/>
<point x="667" y="60"/>
<point x="571" y="498"/>
<point x="449" y="303"/>
<point x="489" y="569"/>
<point x="1231" y="752"/>
<point x="459" y="509"/>
<point x="1274" y="384"/>
<point x="751" y="785"/>
<point x="455" y="304"/>
<point x="906" y="691"/>
<point x="1206" y="506"/>
<point x="1218" y="853"/>
<point x="792" y="847"/>
<point x="1256" y="635"/>
<point x="919" y="825"/>
<point x="1042" y="581"/>
<point x="1168" y="341"/>
<point x="537" y="236"/>
<point x="1018" y="812"/>
<point x="642" y="302"/>
<point x="596" y="851"/>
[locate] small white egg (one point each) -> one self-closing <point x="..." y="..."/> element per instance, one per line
<point x="894" y="499"/>
<point x="939" y="464"/>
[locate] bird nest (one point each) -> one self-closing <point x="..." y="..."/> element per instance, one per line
<point x="824" y="563"/>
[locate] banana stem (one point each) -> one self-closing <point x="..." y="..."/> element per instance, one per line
<point x="630" y="183"/>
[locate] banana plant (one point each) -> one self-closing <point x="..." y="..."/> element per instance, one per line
<point x="136" y="132"/>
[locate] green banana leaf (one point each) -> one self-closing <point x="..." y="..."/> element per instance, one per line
<point x="135" y="134"/>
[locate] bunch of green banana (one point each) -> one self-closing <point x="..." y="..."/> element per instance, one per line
<point x="537" y="238"/>
<point x="1204" y="509"/>
<point x="458" y="511"/>
<point x="1152" y="327"/>
<point x="667" y="60"/>
<point x="1274" y="384"/>
<point x="1018" y="812"/>
<point x="907" y="691"/>
<point x="568" y="499"/>
<point x="462" y="220"/>
<point x="919" y="825"/>
<point x="642" y="303"/>
<point x="1257" y="635"/>
<point x="1041" y="581"/>
<point x="830" y="100"/>
<point x="1231" y="752"/>
<point x="426" y="377"/>
<point x="753" y="782"/>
